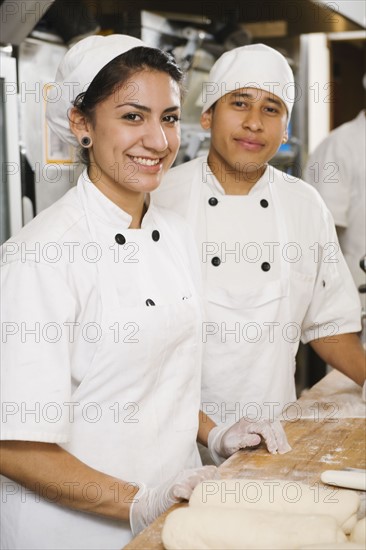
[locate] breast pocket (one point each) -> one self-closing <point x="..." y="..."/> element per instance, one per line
<point x="252" y="298"/>
<point x="236" y="326"/>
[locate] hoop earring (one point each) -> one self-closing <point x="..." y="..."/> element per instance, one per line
<point x="86" y="142"/>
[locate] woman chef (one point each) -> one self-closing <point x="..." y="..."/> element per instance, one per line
<point x="101" y="322"/>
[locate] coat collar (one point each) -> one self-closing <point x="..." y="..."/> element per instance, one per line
<point x="106" y="210"/>
<point x="216" y="187"/>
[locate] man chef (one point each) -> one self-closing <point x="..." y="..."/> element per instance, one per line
<point x="271" y="264"/>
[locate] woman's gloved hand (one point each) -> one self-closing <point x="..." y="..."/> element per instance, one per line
<point x="225" y="441"/>
<point x="150" y="503"/>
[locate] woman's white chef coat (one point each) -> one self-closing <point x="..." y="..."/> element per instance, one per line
<point x="337" y="169"/>
<point x="101" y="355"/>
<point x="272" y="274"/>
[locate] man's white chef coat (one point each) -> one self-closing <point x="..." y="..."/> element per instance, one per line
<point x="337" y="169"/>
<point x="272" y="274"/>
<point x="101" y="355"/>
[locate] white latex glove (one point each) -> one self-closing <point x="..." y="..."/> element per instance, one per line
<point x="225" y="441"/>
<point x="150" y="503"/>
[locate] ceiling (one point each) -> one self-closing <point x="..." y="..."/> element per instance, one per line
<point x="220" y="18"/>
<point x="300" y="16"/>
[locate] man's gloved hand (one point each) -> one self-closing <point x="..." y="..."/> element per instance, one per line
<point x="148" y="503"/>
<point x="225" y="441"/>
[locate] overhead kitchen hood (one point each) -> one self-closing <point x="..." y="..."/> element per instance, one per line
<point x="18" y="19"/>
<point x="69" y="19"/>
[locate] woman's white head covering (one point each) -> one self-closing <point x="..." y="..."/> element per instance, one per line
<point x="255" y="66"/>
<point x="77" y="69"/>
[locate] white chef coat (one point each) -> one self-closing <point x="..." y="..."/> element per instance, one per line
<point x="101" y="355"/>
<point x="337" y="169"/>
<point x="278" y="276"/>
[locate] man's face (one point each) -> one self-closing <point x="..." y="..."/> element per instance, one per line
<point x="247" y="128"/>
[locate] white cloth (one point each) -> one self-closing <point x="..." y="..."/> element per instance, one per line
<point x="78" y="68"/>
<point x="110" y="379"/>
<point x="245" y="67"/>
<point x="337" y="169"/>
<point x="254" y="318"/>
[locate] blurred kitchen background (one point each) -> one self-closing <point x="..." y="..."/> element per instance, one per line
<point x="324" y="42"/>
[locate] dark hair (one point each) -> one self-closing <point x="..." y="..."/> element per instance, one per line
<point x="116" y="72"/>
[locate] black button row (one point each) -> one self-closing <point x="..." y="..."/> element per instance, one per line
<point x="216" y="262"/>
<point x="212" y="201"/>
<point x="120" y="239"/>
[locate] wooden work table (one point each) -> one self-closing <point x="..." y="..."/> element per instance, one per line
<point x="326" y="429"/>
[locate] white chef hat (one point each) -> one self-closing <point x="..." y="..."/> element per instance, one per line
<point x="76" y="71"/>
<point x="254" y="66"/>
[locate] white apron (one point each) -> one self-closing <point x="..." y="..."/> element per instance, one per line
<point x="137" y="407"/>
<point x="245" y="303"/>
<point x="257" y="365"/>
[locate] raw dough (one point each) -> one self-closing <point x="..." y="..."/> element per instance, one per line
<point x="358" y="533"/>
<point x="199" y="527"/>
<point x="345" y="478"/>
<point x="279" y="496"/>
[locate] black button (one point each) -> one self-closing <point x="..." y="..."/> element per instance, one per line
<point x="216" y="261"/>
<point x="155" y="235"/>
<point x="264" y="203"/>
<point x="213" y="201"/>
<point x="266" y="266"/>
<point x="323" y="283"/>
<point x="120" y="239"/>
<point x="149" y="302"/>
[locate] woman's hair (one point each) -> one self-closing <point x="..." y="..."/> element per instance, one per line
<point x="117" y="72"/>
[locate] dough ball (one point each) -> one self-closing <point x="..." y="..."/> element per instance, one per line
<point x="358" y="533"/>
<point x="279" y="496"/>
<point x="204" y="527"/>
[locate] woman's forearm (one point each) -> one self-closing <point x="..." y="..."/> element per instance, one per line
<point x="204" y="427"/>
<point x="59" y="477"/>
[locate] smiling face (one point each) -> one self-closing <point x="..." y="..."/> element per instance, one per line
<point x="135" y="135"/>
<point x="247" y="128"/>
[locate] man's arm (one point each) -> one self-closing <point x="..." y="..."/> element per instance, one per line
<point x="345" y="353"/>
<point x="224" y="441"/>
<point x="56" y="475"/>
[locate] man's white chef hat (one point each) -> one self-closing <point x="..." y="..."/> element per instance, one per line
<point x="254" y="66"/>
<point x="77" y="69"/>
